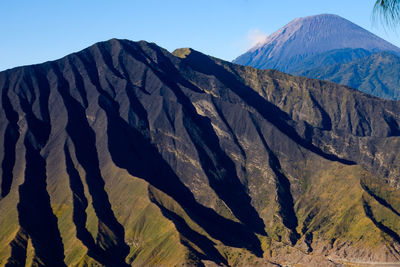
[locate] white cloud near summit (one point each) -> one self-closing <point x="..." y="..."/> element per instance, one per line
<point x="255" y="36"/>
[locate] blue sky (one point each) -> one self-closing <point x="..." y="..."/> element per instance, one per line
<point x="37" y="31"/>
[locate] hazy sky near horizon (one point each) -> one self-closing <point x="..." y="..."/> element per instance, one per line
<point x="37" y="31"/>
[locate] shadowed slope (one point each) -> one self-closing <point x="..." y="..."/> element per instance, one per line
<point x="148" y="149"/>
<point x="11" y="137"/>
<point x="139" y="153"/>
<point x="34" y="211"/>
<point x="114" y="250"/>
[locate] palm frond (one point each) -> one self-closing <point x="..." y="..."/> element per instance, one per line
<point x="388" y="11"/>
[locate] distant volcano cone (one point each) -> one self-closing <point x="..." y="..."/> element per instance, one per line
<point x="308" y="36"/>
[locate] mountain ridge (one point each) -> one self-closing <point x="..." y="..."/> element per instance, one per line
<point x="139" y="157"/>
<point x="375" y="74"/>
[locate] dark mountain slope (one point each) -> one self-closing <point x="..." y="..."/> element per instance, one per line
<point x="124" y="154"/>
<point x="377" y="74"/>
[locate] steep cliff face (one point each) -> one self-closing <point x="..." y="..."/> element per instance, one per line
<point x="124" y="154"/>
